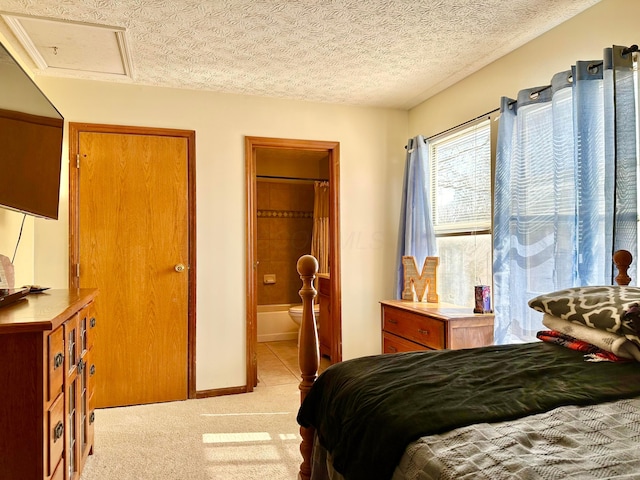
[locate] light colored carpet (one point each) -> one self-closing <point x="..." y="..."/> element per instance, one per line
<point x="235" y="437"/>
<point x="248" y="436"/>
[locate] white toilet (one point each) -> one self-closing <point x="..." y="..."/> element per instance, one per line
<point x="295" y="313"/>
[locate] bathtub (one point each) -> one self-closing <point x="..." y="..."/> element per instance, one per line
<point x="274" y="323"/>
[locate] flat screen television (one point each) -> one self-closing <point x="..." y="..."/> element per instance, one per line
<point x="31" y="130"/>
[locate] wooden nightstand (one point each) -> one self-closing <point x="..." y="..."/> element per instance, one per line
<point x="409" y="326"/>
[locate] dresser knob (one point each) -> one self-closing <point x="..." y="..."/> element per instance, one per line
<point x="58" y="360"/>
<point x="58" y="431"/>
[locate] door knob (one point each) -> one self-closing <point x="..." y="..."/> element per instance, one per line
<point x="179" y="267"/>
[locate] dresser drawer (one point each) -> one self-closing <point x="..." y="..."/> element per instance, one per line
<point x="91" y="372"/>
<point x="56" y="433"/>
<point x="59" y="473"/>
<point x="55" y="353"/>
<point x="420" y="329"/>
<point x="87" y="318"/>
<point x="72" y="345"/>
<point x="91" y="419"/>
<point x="393" y="344"/>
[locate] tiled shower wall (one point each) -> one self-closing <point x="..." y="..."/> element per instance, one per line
<point x="284" y="224"/>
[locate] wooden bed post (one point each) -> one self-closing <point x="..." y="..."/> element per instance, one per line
<point x="622" y="259"/>
<point x="308" y="352"/>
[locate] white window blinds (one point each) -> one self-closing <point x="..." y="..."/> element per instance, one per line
<point x="461" y="180"/>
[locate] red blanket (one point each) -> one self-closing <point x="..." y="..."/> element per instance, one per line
<point x="592" y="352"/>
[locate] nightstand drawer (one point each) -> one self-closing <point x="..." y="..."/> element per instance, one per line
<point x="424" y="330"/>
<point x="393" y="344"/>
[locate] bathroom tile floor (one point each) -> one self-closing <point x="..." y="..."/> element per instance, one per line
<point x="278" y="363"/>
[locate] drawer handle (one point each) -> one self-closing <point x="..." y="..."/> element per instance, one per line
<point x="423" y="332"/>
<point x="393" y="349"/>
<point x="92" y="370"/>
<point x="58" y="431"/>
<point x="92" y="417"/>
<point x="58" y="360"/>
<point x="92" y="322"/>
<point x="391" y="320"/>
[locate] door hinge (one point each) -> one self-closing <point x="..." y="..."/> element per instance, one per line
<point x="78" y="270"/>
<point x="77" y="160"/>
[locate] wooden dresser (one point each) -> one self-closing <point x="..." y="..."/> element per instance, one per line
<point x="46" y="418"/>
<point x="409" y="326"/>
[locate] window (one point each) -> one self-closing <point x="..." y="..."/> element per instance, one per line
<point x="461" y="208"/>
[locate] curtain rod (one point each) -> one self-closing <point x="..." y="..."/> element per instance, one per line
<point x="625" y="51"/>
<point x="461" y="125"/>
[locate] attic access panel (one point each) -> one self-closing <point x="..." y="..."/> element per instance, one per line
<point x="58" y="46"/>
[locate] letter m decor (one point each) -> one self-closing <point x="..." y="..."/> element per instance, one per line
<point x="420" y="287"/>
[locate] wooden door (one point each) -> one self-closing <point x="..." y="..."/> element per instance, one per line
<point x="133" y="245"/>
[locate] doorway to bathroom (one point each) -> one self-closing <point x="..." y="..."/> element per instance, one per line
<point x="280" y="176"/>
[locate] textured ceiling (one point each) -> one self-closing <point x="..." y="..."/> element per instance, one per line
<point x="387" y="53"/>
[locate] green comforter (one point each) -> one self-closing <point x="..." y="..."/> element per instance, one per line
<point x="367" y="410"/>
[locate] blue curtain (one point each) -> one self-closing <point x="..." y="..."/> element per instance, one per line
<point x="416" y="236"/>
<point x="565" y="187"/>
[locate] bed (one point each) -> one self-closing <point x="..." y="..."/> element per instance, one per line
<point x="527" y="411"/>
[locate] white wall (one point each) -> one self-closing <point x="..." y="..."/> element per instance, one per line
<point x="610" y="22"/>
<point x="372" y="161"/>
<point x="10" y="224"/>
